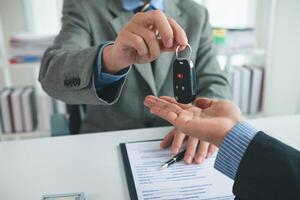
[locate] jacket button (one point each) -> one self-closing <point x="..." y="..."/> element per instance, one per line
<point x="72" y="82"/>
<point x="67" y="83"/>
<point x="77" y="82"/>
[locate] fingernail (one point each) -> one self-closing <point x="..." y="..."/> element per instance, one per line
<point x="175" y="150"/>
<point x="150" y="101"/>
<point x="200" y="159"/>
<point x="182" y="48"/>
<point x="146" y="103"/>
<point x="170" y="43"/>
<point x="209" y="155"/>
<point x="189" y="159"/>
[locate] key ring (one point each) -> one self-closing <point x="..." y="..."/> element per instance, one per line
<point x="190" y="49"/>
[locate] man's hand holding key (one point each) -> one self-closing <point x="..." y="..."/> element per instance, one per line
<point x="138" y="43"/>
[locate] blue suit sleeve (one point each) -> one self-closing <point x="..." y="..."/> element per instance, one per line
<point x="233" y="148"/>
<point x="104" y="79"/>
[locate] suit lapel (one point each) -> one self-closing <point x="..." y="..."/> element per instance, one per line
<point x="117" y="23"/>
<point x="146" y="72"/>
<point x="162" y="69"/>
<point x="163" y="65"/>
<point x="121" y="16"/>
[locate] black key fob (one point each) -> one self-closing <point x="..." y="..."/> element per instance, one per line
<point x="184" y="80"/>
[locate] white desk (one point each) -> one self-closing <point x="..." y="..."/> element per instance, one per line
<point x="90" y="163"/>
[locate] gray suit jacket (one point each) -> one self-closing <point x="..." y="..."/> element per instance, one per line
<point x="67" y="69"/>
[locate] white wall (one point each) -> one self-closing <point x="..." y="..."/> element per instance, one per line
<point x="263" y="22"/>
<point x="282" y="94"/>
<point x="13" y="18"/>
<point x="36" y="16"/>
<point x="231" y="13"/>
<point x="43" y="16"/>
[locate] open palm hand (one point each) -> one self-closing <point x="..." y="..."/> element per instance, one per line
<point x="208" y="120"/>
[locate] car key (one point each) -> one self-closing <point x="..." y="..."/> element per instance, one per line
<point x="184" y="78"/>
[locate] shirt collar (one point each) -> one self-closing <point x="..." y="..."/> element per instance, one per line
<point x="134" y="4"/>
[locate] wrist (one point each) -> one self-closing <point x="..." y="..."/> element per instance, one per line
<point x="224" y="130"/>
<point x="109" y="66"/>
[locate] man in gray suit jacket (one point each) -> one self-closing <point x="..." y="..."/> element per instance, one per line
<point x="110" y="59"/>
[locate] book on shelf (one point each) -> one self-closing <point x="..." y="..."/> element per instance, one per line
<point x="257" y="85"/>
<point x="236" y="85"/>
<point x="247" y="88"/>
<point x="24" y="110"/>
<point x="6" y="114"/>
<point x="28" y="47"/>
<point x="25" y="59"/>
<point x="17" y="111"/>
<point x="29" y="109"/>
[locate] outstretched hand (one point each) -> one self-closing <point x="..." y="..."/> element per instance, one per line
<point x="208" y="120"/>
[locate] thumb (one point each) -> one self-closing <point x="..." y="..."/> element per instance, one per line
<point x="203" y="103"/>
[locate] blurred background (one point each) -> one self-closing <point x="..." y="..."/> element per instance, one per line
<point x="258" y="45"/>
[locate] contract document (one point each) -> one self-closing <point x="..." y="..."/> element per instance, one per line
<point x="146" y="181"/>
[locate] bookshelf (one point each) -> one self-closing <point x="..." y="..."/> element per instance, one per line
<point x="244" y="62"/>
<point x="249" y="27"/>
<point x="19" y="75"/>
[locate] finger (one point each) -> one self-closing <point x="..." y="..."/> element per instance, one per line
<point x="166" y="114"/>
<point x="169" y="99"/>
<point x="203" y="103"/>
<point x="168" y="139"/>
<point x="172" y="100"/>
<point x="177" y="142"/>
<point x="190" y="150"/>
<point x="211" y="150"/>
<point x="173" y="48"/>
<point x="136" y="42"/>
<point x="170" y="112"/>
<point x="152" y="101"/>
<point x="180" y="38"/>
<point x="179" y="34"/>
<point x="162" y="46"/>
<point x="201" y="152"/>
<point x="161" y="23"/>
<point x="149" y="38"/>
